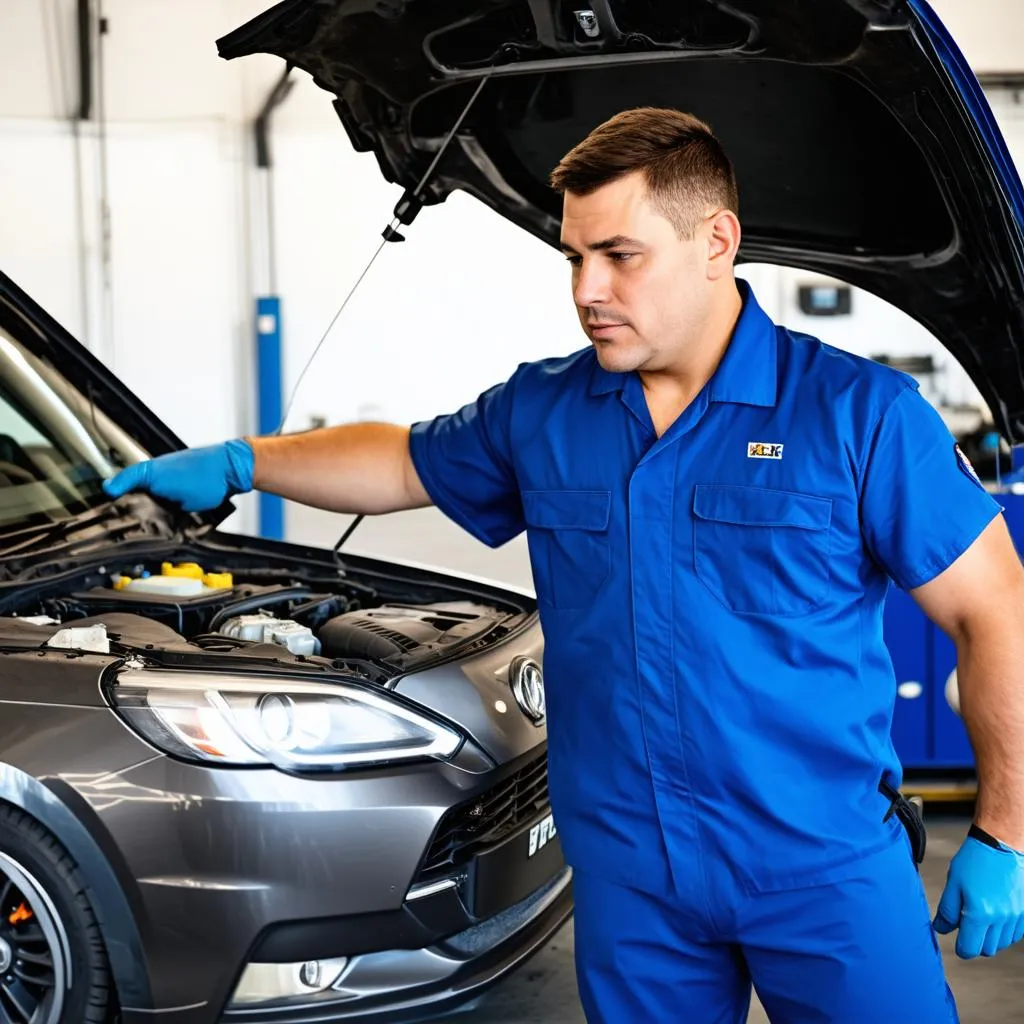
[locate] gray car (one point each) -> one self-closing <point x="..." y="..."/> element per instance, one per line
<point x="243" y="780"/>
<point x="247" y="781"/>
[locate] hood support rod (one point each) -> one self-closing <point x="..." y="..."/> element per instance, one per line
<point x="405" y="212"/>
<point x="411" y="202"/>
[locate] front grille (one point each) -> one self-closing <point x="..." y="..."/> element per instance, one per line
<point x="478" y="824"/>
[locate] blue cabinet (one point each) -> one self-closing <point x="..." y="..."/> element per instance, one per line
<point x="950" y="747"/>
<point x="907" y="635"/>
<point x="925" y="731"/>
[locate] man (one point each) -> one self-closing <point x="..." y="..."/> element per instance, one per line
<point x="714" y="507"/>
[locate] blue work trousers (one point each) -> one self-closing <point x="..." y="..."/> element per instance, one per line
<point x="852" y="952"/>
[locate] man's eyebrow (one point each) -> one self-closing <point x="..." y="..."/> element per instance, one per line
<point x="615" y="242"/>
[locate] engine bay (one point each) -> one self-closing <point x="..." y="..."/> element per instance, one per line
<point x="182" y="608"/>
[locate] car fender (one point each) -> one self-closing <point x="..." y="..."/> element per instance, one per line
<point x="51" y="804"/>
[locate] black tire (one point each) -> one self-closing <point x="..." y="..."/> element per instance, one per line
<point x="91" y="998"/>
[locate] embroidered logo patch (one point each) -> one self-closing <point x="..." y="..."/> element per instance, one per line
<point x="965" y="463"/>
<point x="763" y="450"/>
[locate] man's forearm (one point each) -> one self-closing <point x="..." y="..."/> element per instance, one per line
<point x="356" y="468"/>
<point x="990" y="677"/>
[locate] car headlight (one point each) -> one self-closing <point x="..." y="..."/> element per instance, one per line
<point x="292" y="724"/>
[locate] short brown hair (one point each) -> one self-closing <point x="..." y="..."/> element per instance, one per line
<point x="685" y="167"/>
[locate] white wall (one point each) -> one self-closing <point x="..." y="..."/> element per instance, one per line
<point x="446" y="313"/>
<point x="453" y="309"/>
<point x="158" y="285"/>
<point x="990" y="33"/>
<point x="160" y="58"/>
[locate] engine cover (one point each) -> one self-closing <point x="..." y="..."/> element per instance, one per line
<point x="394" y="631"/>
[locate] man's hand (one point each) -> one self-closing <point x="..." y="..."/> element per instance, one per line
<point x="197" y="478"/>
<point x="984" y="898"/>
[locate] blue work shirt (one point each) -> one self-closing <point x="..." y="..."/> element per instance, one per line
<point x="718" y="688"/>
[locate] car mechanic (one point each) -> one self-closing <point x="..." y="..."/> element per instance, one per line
<point x="714" y="507"/>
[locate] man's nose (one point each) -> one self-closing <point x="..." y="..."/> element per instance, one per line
<point x="592" y="286"/>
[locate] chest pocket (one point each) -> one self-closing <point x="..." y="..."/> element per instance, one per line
<point x="762" y="551"/>
<point x="569" y="548"/>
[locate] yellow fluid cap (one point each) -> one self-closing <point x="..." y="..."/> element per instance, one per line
<point x="121" y="582"/>
<point x="218" y="579"/>
<point x="188" y="569"/>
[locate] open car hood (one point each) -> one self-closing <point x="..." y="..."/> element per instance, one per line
<point x="863" y="145"/>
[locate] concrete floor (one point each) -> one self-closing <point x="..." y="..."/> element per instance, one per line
<point x="988" y="991"/>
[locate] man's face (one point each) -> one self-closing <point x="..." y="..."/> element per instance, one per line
<point x="641" y="291"/>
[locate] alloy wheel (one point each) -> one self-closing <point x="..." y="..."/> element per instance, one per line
<point x="35" y="957"/>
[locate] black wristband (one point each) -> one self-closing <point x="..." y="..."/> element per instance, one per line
<point x="983" y="837"/>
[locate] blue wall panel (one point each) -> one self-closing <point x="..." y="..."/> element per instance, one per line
<point x="269" y="400"/>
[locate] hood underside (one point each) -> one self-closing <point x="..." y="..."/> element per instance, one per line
<point x="862" y="144"/>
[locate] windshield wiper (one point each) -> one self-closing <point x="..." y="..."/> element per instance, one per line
<point x="50" y="532"/>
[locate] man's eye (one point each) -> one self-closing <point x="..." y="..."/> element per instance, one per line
<point x="621" y="257"/>
<point x="574" y="261"/>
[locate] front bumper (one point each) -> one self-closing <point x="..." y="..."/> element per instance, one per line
<point x="404" y="986"/>
<point x="231" y="868"/>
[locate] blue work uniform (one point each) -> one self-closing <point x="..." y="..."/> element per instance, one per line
<point x="719" y="693"/>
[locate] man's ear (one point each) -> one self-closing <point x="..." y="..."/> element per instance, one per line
<point x="722" y="231"/>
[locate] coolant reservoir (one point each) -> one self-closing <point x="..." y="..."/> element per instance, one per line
<point x="186" y="579"/>
<point x="296" y="638"/>
<point x="170" y="586"/>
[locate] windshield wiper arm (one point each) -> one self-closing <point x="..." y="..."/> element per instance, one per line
<point x="63" y="527"/>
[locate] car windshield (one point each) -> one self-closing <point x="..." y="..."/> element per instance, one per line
<point x="56" y="448"/>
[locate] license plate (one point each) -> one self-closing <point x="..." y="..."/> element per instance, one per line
<point x="518" y="866"/>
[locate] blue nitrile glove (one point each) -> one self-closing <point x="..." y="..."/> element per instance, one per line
<point x="196" y="478"/>
<point x="984" y="897"/>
